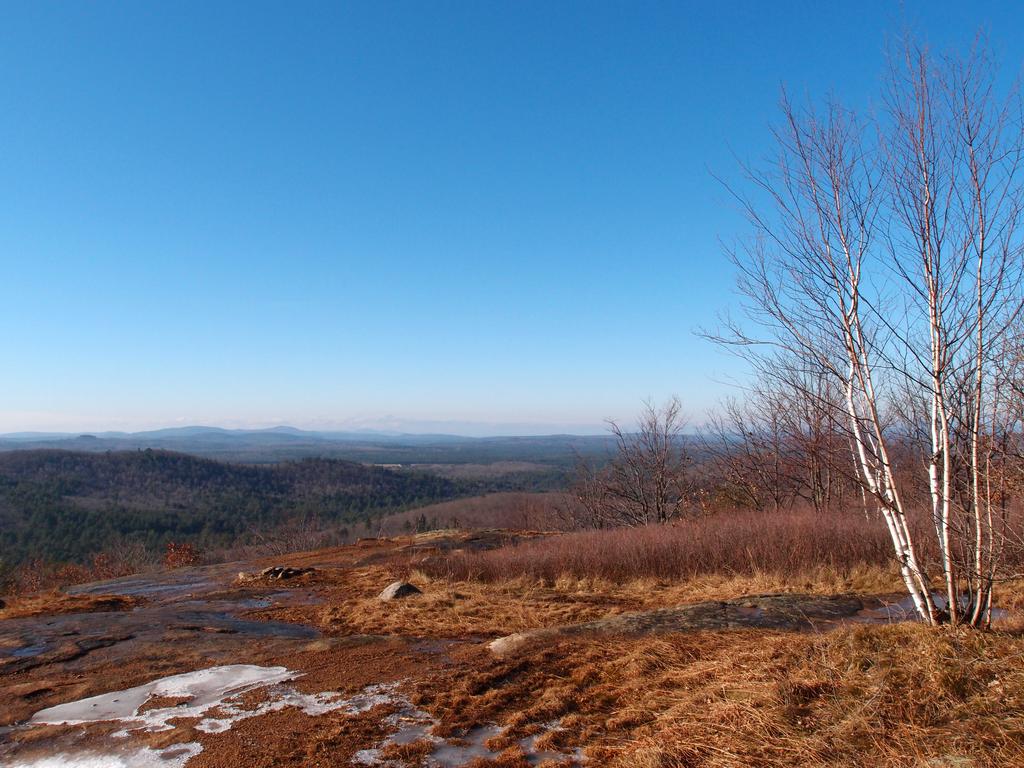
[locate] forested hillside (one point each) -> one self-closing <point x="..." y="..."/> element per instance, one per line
<point x="65" y="506"/>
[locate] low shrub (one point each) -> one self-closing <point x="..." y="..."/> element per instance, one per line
<point x="741" y="542"/>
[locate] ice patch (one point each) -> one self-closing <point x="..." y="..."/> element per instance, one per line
<point x="201" y="691"/>
<point x="414" y="725"/>
<point x="312" y="704"/>
<point x="217" y="689"/>
<point x="169" y="757"/>
<point x="211" y="695"/>
<point x="905" y="610"/>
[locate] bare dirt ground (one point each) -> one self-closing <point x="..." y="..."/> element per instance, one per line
<point x="610" y="674"/>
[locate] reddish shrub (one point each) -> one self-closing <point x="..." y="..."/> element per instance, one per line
<point x="104" y="567"/>
<point x="38" y="575"/>
<point x="735" y="542"/>
<point x="180" y="555"/>
<point x="33" y="576"/>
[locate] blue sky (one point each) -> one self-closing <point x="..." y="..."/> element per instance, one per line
<point x="492" y="216"/>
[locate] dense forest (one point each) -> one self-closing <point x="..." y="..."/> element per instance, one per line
<point x="66" y="506"/>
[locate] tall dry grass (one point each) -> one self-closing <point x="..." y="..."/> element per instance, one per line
<point x="744" y="543"/>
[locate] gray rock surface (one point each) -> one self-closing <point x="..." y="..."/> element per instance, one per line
<point x="779" y="611"/>
<point x="398" y="590"/>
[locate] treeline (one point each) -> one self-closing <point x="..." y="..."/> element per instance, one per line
<point x="66" y="506"/>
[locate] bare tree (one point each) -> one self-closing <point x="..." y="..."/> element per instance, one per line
<point x="646" y="480"/>
<point x="745" y="443"/>
<point x="887" y="258"/>
<point x="778" y="445"/>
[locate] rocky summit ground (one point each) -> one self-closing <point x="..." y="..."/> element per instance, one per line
<point x="300" y="661"/>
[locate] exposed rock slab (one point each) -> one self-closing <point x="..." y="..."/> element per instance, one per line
<point x="776" y="611"/>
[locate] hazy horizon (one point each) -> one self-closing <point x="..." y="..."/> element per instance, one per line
<point x="382" y="426"/>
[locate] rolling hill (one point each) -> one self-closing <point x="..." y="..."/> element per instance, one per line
<point x="65" y="505"/>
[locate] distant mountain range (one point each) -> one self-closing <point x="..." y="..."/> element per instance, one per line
<point x="201" y="431"/>
<point x="285" y="443"/>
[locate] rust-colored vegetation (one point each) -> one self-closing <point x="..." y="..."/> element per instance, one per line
<point x="731" y="543"/>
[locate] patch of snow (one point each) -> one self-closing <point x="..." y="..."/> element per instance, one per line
<point x="169" y="757"/>
<point x="311" y="704"/>
<point x="204" y="689"/>
<point x="447" y="755"/>
<point x="535" y="755"/>
<point x="213" y="696"/>
<point x="414" y="725"/>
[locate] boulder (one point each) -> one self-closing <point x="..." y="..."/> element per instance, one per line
<point x="505" y="646"/>
<point x="399" y="589"/>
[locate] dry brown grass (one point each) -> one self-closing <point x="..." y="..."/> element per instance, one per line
<point x="902" y="695"/>
<point x="474" y="608"/>
<point x="458" y="609"/>
<point x="54" y="602"/>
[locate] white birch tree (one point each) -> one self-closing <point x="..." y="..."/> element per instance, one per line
<point x="887" y="255"/>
